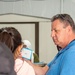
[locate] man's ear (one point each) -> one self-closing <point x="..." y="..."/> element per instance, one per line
<point x="69" y="28"/>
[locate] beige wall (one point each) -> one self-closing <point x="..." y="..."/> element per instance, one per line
<point x="47" y="49"/>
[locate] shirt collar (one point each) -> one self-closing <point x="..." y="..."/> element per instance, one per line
<point x="67" y="47"/>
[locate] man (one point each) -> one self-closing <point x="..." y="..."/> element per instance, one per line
<point x="63" y="35"/>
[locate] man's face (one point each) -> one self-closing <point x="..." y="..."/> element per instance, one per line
<point x="59" y="33"/>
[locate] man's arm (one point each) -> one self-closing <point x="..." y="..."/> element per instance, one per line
<point x="38" y="70"/>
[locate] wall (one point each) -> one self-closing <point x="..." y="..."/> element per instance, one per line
<point x="47" y="49"/>
<point x="69" y="7"/>
<point x="41" y="8"/>
<point x="38" y="8"/>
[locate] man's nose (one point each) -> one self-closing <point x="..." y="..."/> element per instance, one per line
<point x="52" y="33"/>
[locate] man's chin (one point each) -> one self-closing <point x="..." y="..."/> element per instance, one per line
<point x="55" y="43"/>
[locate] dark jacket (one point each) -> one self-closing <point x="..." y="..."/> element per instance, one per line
<point x="6" y="61"/>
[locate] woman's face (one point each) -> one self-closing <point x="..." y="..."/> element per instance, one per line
<point x="17" y="52"/>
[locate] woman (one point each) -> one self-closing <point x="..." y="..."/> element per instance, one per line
<point x="12" y="38"/>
